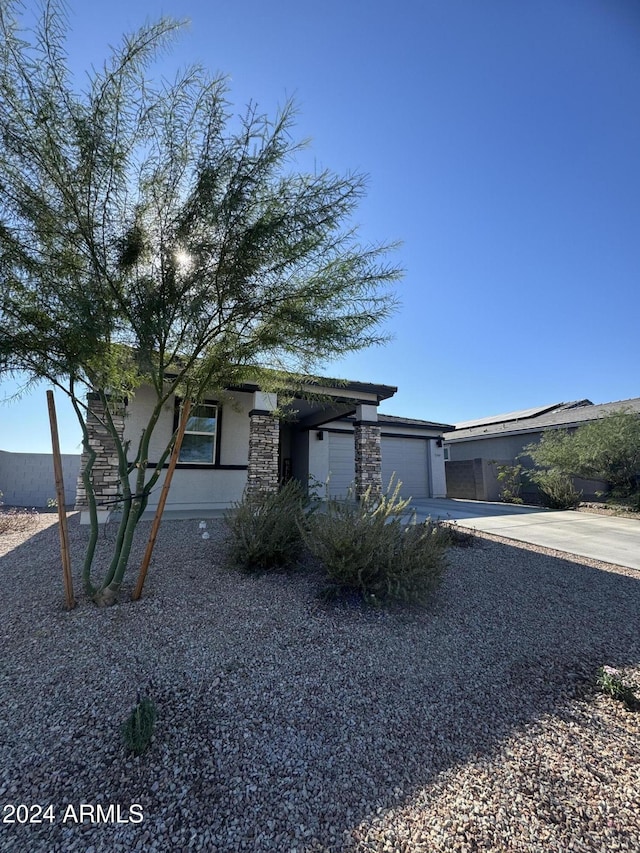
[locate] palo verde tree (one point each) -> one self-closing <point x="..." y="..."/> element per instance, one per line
<point x="148" y="235"/>
<point x="605" y="449"/>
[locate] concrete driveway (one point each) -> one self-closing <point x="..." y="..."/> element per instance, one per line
<point x="600" y="537"/>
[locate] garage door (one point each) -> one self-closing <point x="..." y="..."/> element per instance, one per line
<point x="407" y="459"/>
<point x="404" y="457"/>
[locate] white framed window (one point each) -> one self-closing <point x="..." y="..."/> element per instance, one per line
<point x="446" y="451"/>
<point x="200" y="441"/>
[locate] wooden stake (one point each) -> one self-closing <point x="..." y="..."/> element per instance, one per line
<point x="163" y="499"/>
<point x="62" y="513"/>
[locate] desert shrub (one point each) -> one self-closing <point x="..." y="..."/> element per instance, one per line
<point x="612" y="682"/>
<point x="372" y="547"/>
<point x="510" y="479"/>
<point x="16" y="520"/>
<point x="604" y="449"/>
<point x="265" y="528"/>
<point x="137" y="730"/>
<point x="556" y="489"/>
<point x="454" y="536"/>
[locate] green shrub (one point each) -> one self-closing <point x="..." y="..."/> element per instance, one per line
<point x="556" y="489"/>
<point x="370" y="546"/>
<point x="265" y="528"/>
<point x="510" y="478"/>
<point x="611" y="681"/>
<point x="137" y="729"/>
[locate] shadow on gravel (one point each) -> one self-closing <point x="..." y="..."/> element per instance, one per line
<point x="284" y="722"/>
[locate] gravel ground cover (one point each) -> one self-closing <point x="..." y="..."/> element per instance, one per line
<point x="287" y="724"/>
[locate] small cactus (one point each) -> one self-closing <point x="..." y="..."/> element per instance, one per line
<point x="137" y="729"/>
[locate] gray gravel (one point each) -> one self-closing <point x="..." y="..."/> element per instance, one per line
<point x="285" y="724"/>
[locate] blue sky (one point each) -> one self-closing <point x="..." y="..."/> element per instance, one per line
<point x="501" y="141"/>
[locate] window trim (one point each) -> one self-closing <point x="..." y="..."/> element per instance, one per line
<point x="216" y="435"/>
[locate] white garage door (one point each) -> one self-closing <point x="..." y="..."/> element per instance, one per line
<point x="407" y="459"/>
<point x="404" y="457"/>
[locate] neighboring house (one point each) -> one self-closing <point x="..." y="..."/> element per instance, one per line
<point x="234" y="443"/>
<point x="475" y="448"/>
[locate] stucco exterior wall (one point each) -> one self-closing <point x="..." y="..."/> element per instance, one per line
<point x="318" y="458"/>
<point x="194" y="488"/>
<point x="234" y="431"/>
<point x="201" y="489"/>
<point x="437" y="475"/>
<point x="502" y="447"/>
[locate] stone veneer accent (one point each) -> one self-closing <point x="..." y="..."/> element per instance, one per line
<point x="104" y="473"/>
<point x="368" y="458"/>
<point x="264" y="437"/>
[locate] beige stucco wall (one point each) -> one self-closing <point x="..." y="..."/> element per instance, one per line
<point x="192" y="488"/>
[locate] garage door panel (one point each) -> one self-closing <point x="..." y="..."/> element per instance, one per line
<point x="406" y="460"/>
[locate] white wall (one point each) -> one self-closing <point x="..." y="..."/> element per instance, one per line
<point x="318" y="458"/>
<point x="437" y="472"/>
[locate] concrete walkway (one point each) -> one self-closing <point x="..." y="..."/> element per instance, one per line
<point x="600" y="537"/>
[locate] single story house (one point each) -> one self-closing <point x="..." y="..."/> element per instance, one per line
<point x="331" y="432"/>
<point x="474" y="449"/>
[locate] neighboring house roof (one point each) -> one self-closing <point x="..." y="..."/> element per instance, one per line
<point x="523" y="414"/>
<point x="557" y="415"/>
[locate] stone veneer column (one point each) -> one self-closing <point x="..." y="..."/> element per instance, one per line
<point x="264" y="441"/>
<point x="104" y="474"/>
<point x="368" y="452"/>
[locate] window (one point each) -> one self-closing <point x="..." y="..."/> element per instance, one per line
<point x="446" y="451"/>
<point x="200" y="436"/>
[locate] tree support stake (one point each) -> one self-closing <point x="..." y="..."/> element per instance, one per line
<point x="62" y="513"/>
<point x="162" y="501"/>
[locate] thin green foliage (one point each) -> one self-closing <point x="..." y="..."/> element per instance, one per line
<point x="150" y="238"/>
<point x="375" y="546"/>
<point x="556" y="489"/>
<point x="265" y="529"/>
<point x="605" y="449"/>
<point x="612" y="682"/>
<point x="137" y="730"/>
<point x="510" y="479"/>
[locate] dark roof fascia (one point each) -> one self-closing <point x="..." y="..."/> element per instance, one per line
<point x="407" y="423"/>
<point x="396" y="420"/>
<point x="382" y="392"/>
